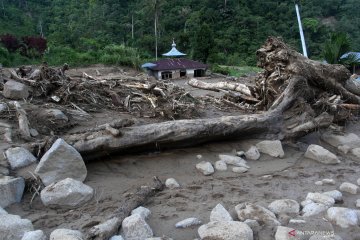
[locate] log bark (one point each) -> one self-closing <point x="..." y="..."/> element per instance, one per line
<point x="23" y="121"/>
<point x="111" y="226"/>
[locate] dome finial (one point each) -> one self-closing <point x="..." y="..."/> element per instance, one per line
<point x="173" y="44"/>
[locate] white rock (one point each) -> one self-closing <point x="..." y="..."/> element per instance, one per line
<point x="321" y="155"/>
<point x="349" y="139"/>
<point x="252" y="211"/>
<point x="189" y="222"/>
<point x="68" y="193"/>
<point x="329" y="181"/>
<point x="171" y="183"/>
<point x="335" y="194"/>
<point x="205" y="167"/>
<point x="266" y="177"/>
<point x="34" y="132"/>
<point x="3" y="107"/>
<point x="272" y="148"/>
<point x="314" y="209"/>
<point x="282" y="233"/>
<point x="344" y="149"/>
<point x="252" y="154"/>
<point x="306" y="202"/>
<point x="348" y="187"/>
<point x="66" y="234"/>
<point x="134" y="227"/>
<point x="12" y="227"/>
<point x="19" y="157"/>
<point x="239" y="169"/>
<point x="253" y="224"/>
<point x="321" y="198"/>
<point x="219" y="214"/>
<point x="199" y="156"/>
<point x="2" y="211"/>
<point x="220" y="165"/>
<point x="240" y="153"/>
<point x="59" y="162"/>
<point x="231" y="230"/>
<point x="344" y="217"/>
<point x="284" y="206"/>
<point x="319" y="183"/>
<point x="297" y="221"/>
<point x="11" y="190"/>
<point x="233" y="160"/>
<point x="15" y="90"/>
<point x="356" y="152"/>
<point x="117" y="237"/>
<point x="34" y="235"/>
<point x="56" y="114"/>
<point x="143" y="212"/>
<point x="358" y="203"/>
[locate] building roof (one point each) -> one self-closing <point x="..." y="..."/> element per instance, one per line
<point x="177" y="63"/>
<point x="174" y="52"/>
<point x="356" y="54"/>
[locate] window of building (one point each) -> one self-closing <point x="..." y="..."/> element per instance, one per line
<point x="166" y="75"/>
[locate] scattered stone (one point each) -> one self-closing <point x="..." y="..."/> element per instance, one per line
<point x="266" y="177"/>
<point x="2" y="211"/>
<point x="356" y="152"/>
<point x="306" y="202"/>
<point x="220" y="214"/>
<point x="56" y="114"/>
<point x="15" y="90"/>
<point x="66" y="234"/>
<point x="344" y="149"/>
<point x="143" y="212"/>
<point x="233" y="160"/>
<point x="240" y="153"/>
<point x="287" y="206"/>
<point x="252" y="154"/>
<point x="329" y="181"/>
<point x="59" y="162"/>
<point x="171" y="183"/>
<point x="349" y="188"/>
<point x="252" y="211"/>
<point x="19" y="157"/>
<point x="220" y="165"/>
<point x="239" y="169"/>
<point x="254" y="225"/>
<point x="335" y="194"/>
<point x="199" y="156"/>
<point x="34" y="132"/>
<point x="3" y="107"/>
<point x="134" y="227"/>
<point x="230" y="230"/>
<point x="313" y="209"/>
<point x="321" y="198"/>
<point x="189" y="222"/>
<point x="117" y="237"/>
<point x="34" y="235"/>
<point x="12" y="227"/>
<point x="66" y="193"/>
<point x="350" y="139"/>
<point x="357" y="204"/>
<point x="319" y="183"/>
<point x="282" y="233"/>
<point x="205" y="167"/>
<point x="272" y="148"/>
<point x="11" y="190"/>
<point x="297" y="221"/>
<point x="344" y="217"/>
<point x="321" y="155"/>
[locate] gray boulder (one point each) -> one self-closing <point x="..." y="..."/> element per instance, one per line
<point x="56" y="114"/>
<point x="239" y="169"/>
<point x="143" y="212"/>
<point x="2" y="211"/>
<point x="272" y="148"/>
<point x="349" y="188"/>
<point x="230" y="230"/>
<point x="205" y="167"/>
<point x="349" y="139"/>
<point x="283" y="233"/>
<point x="313" y="209"/>
<point x="12" y="227"/>
<point x="19" y="157"/>
<point x="343" y="217"/>
<point x="233" y="160"/>
<point x="66" y="234"/>
<point x="34" y="235"/>
<point x="117" y="237"/>
<point x="171" y="183"/>
<point x="253" y="153"/>
<point x="335" y="194"/>
<point x="189" y="222"/>
<point x="220" y="165"/>
<point x="134" y="227"/>
<point x="321" y="155"/>
<point x="220" y="214"/>
<point x="11" y="190"/>
<point x="59" y="162"/>
<point x="321" y="198"/>
<point x="284" y="206"/>
<point x="15" y="90"/>
<point x="252" y="211"/>
<point x="356" y="153"/>
<point x="67" y="193"/>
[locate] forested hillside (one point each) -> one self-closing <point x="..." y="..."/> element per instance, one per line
<point x="215" y="31"/>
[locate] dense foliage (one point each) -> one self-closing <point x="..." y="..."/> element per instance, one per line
<point x="216" y="31"/>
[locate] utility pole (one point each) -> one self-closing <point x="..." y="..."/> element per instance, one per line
<point x="301" y="29"/>
<point x="155" y="25"/>
<point x="132" y="26"/>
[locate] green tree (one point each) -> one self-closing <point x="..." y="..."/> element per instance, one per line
<point x="203" y="43"/>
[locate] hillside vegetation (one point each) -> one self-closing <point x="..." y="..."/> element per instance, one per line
<point x="215" y="31"/>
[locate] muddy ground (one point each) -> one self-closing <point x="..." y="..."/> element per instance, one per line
<point x="115" y="176"/>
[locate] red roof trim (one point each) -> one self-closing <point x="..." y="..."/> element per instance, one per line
<point x="177" y="63"/>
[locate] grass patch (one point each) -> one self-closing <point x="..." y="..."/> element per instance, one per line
<point x="236" y="71"/>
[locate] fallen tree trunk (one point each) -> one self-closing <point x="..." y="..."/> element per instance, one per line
<point x="23" y="121"/>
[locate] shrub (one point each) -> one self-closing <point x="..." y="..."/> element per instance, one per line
<point x="10" y="42"/>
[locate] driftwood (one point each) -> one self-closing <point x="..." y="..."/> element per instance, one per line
<point x="23" y="120"/>
<point x="111" y="227"/>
